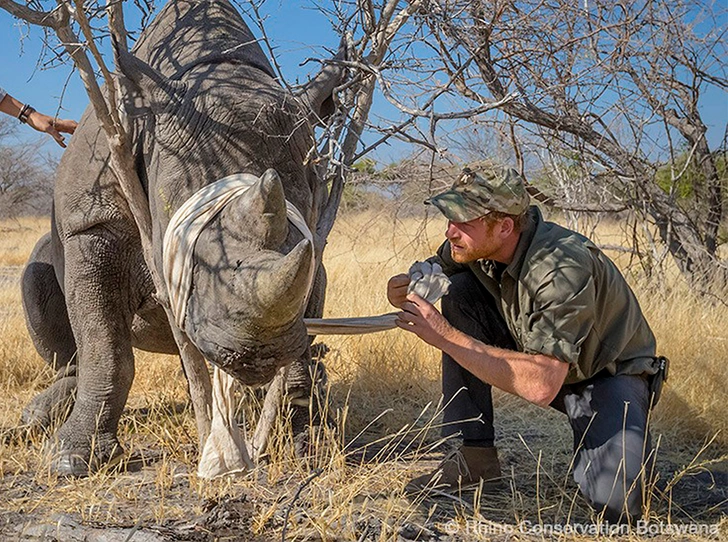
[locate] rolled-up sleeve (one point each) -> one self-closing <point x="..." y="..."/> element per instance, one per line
<point x="562" y="314"/>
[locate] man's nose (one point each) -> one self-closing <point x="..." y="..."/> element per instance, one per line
<point x="451" y="230"/>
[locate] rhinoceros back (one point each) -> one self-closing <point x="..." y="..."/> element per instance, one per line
<point x="187" y="33"/>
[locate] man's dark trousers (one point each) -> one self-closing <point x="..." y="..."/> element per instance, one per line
<point x="608" y="414"/>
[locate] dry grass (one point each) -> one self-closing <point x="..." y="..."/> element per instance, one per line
<point x="383" y="390"/>
<point x="18" y="237"/>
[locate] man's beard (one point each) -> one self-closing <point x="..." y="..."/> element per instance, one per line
<point x="463" y="255"/>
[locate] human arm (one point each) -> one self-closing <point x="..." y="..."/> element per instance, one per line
<point x="39" y="121"/>
<point x="535" y="377"/>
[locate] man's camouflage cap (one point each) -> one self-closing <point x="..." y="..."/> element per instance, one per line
<point x="478" y="192"/>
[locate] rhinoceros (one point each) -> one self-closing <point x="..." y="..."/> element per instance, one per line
<point x="209" y="106"/>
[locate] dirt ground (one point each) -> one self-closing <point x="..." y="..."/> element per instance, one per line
<point x="683" y="494"/>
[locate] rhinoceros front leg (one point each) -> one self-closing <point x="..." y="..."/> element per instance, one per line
<point x="98" y="282"/>
<point x="46" y="318"/>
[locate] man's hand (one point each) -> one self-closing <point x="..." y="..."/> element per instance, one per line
<point x="424" y="320"/>
<point x="397" y="289"/>
<point x="52" y="127"/>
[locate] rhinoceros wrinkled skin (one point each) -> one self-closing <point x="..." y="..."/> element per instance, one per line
<point x="209" y="106"/>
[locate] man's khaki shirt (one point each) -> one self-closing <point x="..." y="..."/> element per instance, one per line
<point x="562" y="297"/>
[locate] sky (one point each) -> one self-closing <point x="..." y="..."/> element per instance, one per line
<point x="296" y="28"/>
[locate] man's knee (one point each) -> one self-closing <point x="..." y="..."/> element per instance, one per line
<point x="614" y="503"/>
<point x="612" y="477"/>
<point x="609" y="417"/>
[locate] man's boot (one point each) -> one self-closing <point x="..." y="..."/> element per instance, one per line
<point x="463" y="468"/>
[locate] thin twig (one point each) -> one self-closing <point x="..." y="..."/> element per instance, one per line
<point x="315" y="474"/>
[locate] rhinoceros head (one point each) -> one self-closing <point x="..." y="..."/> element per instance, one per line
<point x="211" y="108"/>
<point x="249" y="286"/>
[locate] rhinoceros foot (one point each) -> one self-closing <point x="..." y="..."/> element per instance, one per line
<point x="51" y="406"/>
<point x="74" y="458"/>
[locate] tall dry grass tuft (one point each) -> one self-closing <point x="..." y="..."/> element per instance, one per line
<point x="383" y="393"/>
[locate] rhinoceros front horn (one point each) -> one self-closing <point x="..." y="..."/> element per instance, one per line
<point x="278" y="285"/>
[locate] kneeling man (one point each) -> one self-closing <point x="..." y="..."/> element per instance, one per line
<point x="538" y="311"/>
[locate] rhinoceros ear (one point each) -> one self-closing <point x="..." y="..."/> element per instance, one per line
<point x="157" y="90"/>
<point x="317" y="94"/>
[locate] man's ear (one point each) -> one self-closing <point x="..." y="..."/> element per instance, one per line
<point x="507" y="227"/>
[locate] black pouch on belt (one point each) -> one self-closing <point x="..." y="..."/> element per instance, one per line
<point x="662" y="364"/>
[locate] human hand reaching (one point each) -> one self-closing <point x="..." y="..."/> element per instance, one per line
<point x="424" y="320"/>
<point x="52" y="126"/>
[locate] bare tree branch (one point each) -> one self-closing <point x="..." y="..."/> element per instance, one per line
<point x="51" y="19"/>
